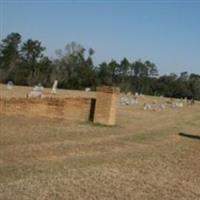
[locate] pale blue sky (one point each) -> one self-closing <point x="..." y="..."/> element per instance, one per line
<point x="166" y="32"/>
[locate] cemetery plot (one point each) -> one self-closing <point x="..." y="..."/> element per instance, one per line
<point x="145" y="156"/>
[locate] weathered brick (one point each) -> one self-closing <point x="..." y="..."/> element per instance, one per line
<point x="106" y="105"/>
<point x="101" y="110"/>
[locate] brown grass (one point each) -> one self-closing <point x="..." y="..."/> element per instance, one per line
<point x="142" y="158"/>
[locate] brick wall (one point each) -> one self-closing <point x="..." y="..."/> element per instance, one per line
<point x="75" y="109"/>
<point x="106" y="105"/>
<point x="101" y="110"/>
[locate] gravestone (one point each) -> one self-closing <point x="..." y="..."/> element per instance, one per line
<point x="37" y="91"/>
<point x="87" y="89"/>
<point x="10" y="85"/>
<point x="55" y="85"/>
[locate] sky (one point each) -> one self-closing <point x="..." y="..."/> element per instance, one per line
<point x="166" y="32"/>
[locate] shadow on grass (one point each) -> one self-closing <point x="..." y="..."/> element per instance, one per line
<point x="197" y="137"/>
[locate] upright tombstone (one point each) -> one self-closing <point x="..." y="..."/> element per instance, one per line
<point x="106" y="105"/>
<point x="41" y="88"/>
<point x="37" y="92"/>
<point x="87" y="89"/>
<point x="55" y="84"/>
<point x="38" y="88"/>
<point x="10" y="85"/>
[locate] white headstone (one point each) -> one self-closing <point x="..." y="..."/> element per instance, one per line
<point x="55" y="84"/>
<point x="87" y="89"/>
<point x="37" y="91"/>
<point x="35" y="94"/>
<point x="10" y="85"/>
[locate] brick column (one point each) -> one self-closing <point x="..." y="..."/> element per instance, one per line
<point x="106" y="105"/>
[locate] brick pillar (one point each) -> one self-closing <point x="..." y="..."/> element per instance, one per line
<point x="106" y="105"/>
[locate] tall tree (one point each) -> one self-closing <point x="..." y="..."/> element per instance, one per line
<point x="76" y="70"/>
<point x="152" y="69"/>
<point x="9" y="55"/>
<point x="194" y="85"/>
<point x="124" y="66"/>
<point x="32" y="52"/>
<point x="104" y="74"/>
<point x="113" y="68"/>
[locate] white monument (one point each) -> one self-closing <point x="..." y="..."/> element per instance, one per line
<point x="55" y="84"/>
<point x="10" y="85"/>
<point x="36" y="92"/>
<point x="87" y="89"/>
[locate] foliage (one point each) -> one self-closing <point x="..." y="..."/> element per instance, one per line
<point x="25" y="64"/>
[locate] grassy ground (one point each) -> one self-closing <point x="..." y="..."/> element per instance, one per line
<point x="143" y="157"/>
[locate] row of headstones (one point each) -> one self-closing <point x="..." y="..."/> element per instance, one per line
<point x="129" y="99"/>
<point x="38" y="90"/>
<point x="179" y="103"/>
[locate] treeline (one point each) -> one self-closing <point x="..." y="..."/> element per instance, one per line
<point x="24" y="63"/>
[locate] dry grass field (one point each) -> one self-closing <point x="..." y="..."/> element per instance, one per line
<point x="143" y="157"/>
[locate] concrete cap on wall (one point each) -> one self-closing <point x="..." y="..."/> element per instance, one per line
<point x="108" y="89"/>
